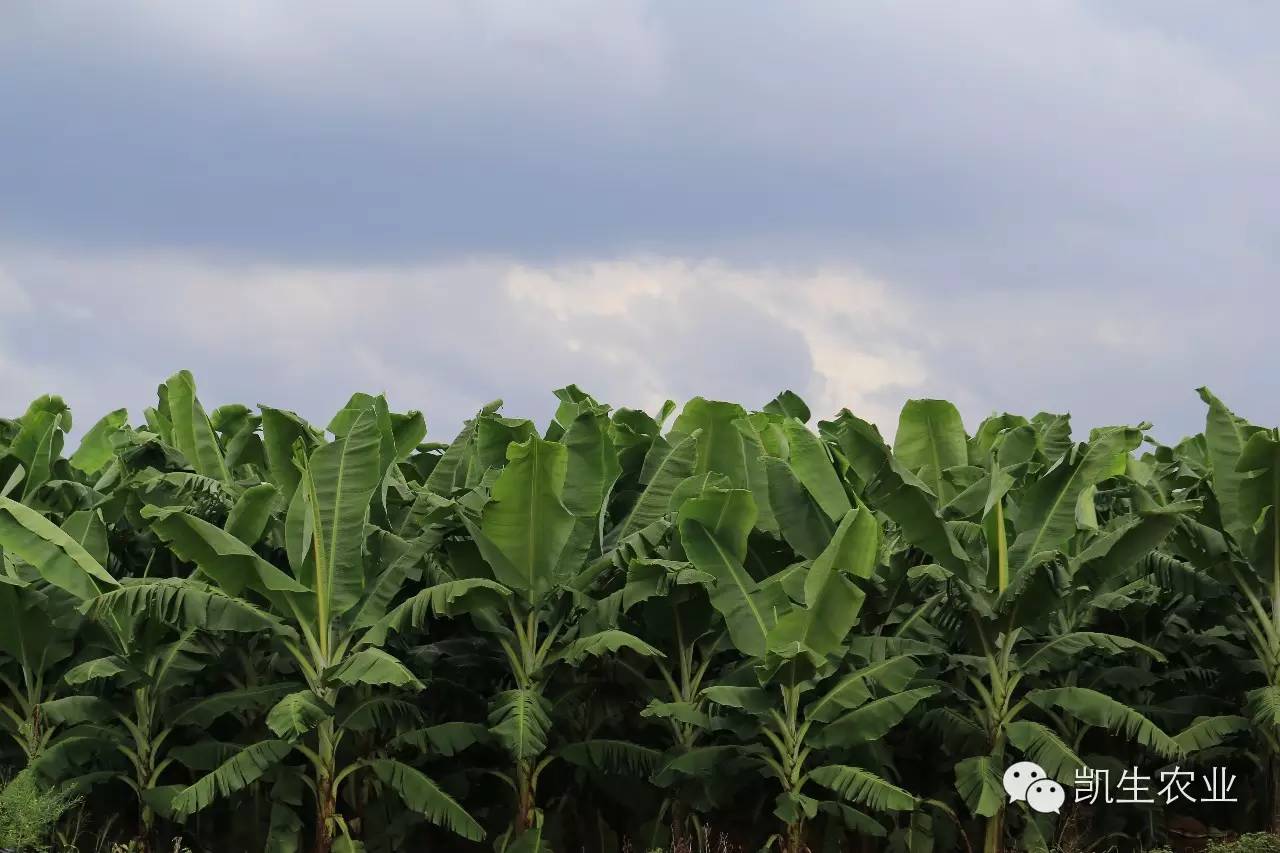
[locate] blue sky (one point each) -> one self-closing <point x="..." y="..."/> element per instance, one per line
<point x="1018" y="206"/>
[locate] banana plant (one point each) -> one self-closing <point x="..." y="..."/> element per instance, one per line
<point x="328" y="609"/>
<point x="39" y="621"/>
<point x="658" y="591"/>
<point x="322" y="610"/>
<point x="143" y="657"/>
<point x="534" y="510"/>
<point x="1236" y="539"/>
<point x="38" y="626"/>
<point x="144" y="690"/>
<point x="994" y="528"/>
<point x="667" y="600"/>
<point x="712" y="446"/>
<point x="791" y="632"/>
<point x="701" y="615"/>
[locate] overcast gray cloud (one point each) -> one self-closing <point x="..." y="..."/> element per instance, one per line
<point x="1017" y="206"/>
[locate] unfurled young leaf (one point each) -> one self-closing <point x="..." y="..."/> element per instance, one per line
<point x="297" y="714"/>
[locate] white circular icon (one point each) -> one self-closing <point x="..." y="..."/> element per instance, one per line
<point x="1046" y="796"/>
<point x="1018" y="777"/>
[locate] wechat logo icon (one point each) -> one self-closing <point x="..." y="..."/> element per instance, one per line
<point x="1028" y="782"/>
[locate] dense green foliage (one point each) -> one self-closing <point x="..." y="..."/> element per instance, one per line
<point x="29" y="810"/>
<point x="252" y="633"/>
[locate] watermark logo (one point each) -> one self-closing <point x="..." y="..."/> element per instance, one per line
<point x="1046" y="796"/>
<point x="1173" y="785"/>
<point x="1027" y="781"/>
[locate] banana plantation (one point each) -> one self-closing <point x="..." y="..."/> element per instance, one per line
<point x="705" y="628"/>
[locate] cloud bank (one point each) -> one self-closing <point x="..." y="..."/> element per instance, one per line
<point x="1051" y="204"/>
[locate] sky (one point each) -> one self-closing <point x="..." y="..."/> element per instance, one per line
<point x="1041" y="205"/>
